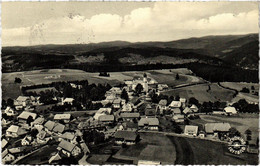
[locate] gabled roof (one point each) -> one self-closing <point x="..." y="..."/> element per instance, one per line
<point x="190" y="128"/>
<point x="68" y="100"/>
<point x="4" y="143"/>
<point x="68" y="135"/>
<point x="41" y="134"/>
<point x="38" y="120"/>
<point x="13" y="129"/>
<point x="129" y="115"/>
<point x="126" y="135"/>
<point x="178" y="116"/>
<point x="176" y="104"/>
<point x="17" y="149"/>
<point x="62" y="117"/>
<point x="187" y="110"/>
<point x="211" y="127"/>
<point x="148" y="121"/>
<point x="66" y="145"/>
<point x="26" y="114"/>
<point x="49" y="125"/>
<point x="176" y="111"/>
<point x="59" y="128"/>
<point x="163" y="102"/>
<point x="183" y="100"/>
<point x="117" y="101"/>
<point x="104" y="110"/>
<point x="194" y="108"/>
<point x="4" y="153"/>
<point x="230" y="110"/>
<point x="103" y="118"/>
<point x="22" y="98"/>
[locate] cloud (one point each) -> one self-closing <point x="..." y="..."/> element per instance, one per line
<point x="162" y="22"/>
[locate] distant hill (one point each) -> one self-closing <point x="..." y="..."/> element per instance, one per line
<point x="235" y="50"/>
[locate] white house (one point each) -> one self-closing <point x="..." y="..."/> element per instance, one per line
<point x="64" y="117"/>
<point x="22" y="101"/>
<point x="67" y="100"/>
<point x="191" y="130"/>
<point x="9" y="111"/>
<point x="102" y="111"/>
<point x="14" y="131"/>
<point x="194" y="108"/>
<point x="230" y="110"/>
<point x="175" y="104"/>
<point x="22" y="118"/>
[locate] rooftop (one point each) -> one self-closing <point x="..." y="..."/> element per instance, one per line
<point x="148" y="121"/>
<point x="66" y="145"/>
<point x="62" y="117"/>
<point x="25" y="115"/>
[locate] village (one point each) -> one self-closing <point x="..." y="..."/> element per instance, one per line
<point x="53" y="128"/>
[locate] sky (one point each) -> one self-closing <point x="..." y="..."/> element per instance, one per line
<point x="35" y="23"/>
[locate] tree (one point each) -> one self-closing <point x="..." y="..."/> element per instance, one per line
<point x="193" y="100"/>
<point x="17" y="80"/>
<point x="10" y="102"/>
<point x="4" y="104"/>
<point x="252" y="87"/>
<point x="177" y="77"/>
<point x="139" y="88"/>
<point x="29" y="120"/>
<point x="233" y="132"/>
<point x="245" y="90"/>
<point x="248" y="134"/>
<point x="34" y="132"/>
<point x="124" y="95"/>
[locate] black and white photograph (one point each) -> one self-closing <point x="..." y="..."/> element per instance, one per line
<point x="129" y="83"/>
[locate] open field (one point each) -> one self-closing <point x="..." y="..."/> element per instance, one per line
<point x="148" y="148"/>
<point x="248" y="97"/>
<point x="12" y="90"/>
<point x="241" y="122"/>
<point x="199" y="151"/>
<point x="239" y="85"/>
<point x="215" y="93"/>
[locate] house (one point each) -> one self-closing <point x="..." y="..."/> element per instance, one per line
<point x="130" y="126"/>
<point x="162" y="87"/>
<point x="211" y="128"/>
<point x="102" y="111"/>
<point x="84" y="148"/>
<point x="191" y="130"/>
<point x="162" y="105"/>
<point x="9" y="111"/>
<point x="176" y="111"/>
<point x="68" y="148"/>
<point x="129" y="116"/>
<point x="117" y="103"/>
<point x="64" y="117"/>
<point x="43" y="137"/>
<point x="22" y="101"/>
<point x="23" y="117"/>
<point x="187" y="111"/>
<point x="183" y="102"/>
<point x="27" y="140"/>
<point x="55" y="157"/>
<point x="14" y="131"/>
<point x="127" y="107"/>
<point x="4" y="143"/>
<point x="49" y="125"/>
<point x="126" y="137"/>
<point x="178" y="118"/>
<point x="7" y="157"/>
<point x="194" y="108"/>
<point x="148" y="123"/>
<point x="67" y="101"/>
<point x="68" y="136"/>
<point x="5" y="122"/>
<point x="58" y="128"/>
<point x="175" y="104"/>
<point x="106" y="119"/>
<point x="230" y="110"/>
<point x="38" y="121"/>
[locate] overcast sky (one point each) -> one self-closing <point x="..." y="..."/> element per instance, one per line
<point x="33" y="23"/>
